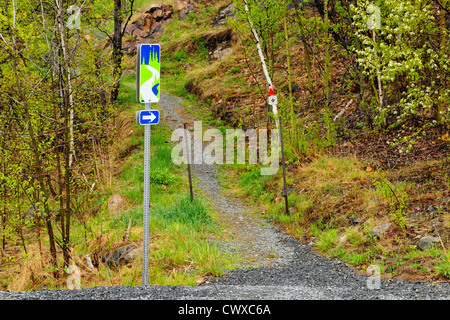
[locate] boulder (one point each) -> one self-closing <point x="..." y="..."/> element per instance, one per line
<point x="156" y="27"/>
<point x="114" y="258"/>
<point x="161" y="11"/>
<point x="380" y="230"/>
<point x="147" y="20"/>
<point x="222" y="17"/>
<point x="426" y="242"/>
<point x="141" y="33"/>
<point x="133" y="254"/>
<point x="221" y="53"/>
<point x="158" y="15"/>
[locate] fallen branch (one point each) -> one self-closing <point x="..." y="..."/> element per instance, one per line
<point x="343" y="110"/>
<point x="127" y="233"/>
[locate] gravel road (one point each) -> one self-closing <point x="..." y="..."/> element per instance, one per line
<point x="274" y="266"/>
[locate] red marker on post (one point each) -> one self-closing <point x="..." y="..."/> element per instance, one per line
<point x="273" y="100"/>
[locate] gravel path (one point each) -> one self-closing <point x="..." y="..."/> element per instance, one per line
<point x="249" y="237"/>
<point x="274" y="265"/>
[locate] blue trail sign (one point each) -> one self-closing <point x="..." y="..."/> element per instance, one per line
<point x="146" y="117"/>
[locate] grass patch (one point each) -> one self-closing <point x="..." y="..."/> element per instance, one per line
<point x="185" y="212"/>
<point x="327" y="240"/>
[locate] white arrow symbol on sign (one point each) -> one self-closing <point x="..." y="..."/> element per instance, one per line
<point x="150" y="117"/>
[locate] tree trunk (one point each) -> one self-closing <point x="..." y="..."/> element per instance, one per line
<point x="367" y="115"/>
<point x="288" y="58"/>
<point x="67" y="104"/>
<point x="117" y="50"/>
<point x="443" y="38"/>
<point x="380" y="87"/>
<point x="68" y="89"/>
<point x="310" y="82"/>
<point x="308" y="64"/>
<point x="326" y="78"/>
<point x="4" y="213"/>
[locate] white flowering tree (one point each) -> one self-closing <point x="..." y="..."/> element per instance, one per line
<point x="401" y="53"/>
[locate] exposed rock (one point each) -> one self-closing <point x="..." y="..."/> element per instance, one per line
<point x="219" y="44"/>
<point x="141" y="33"/>
<point x="130" y="46"/>
<point x="354" y="220"/>
<point x="156" y="27"/>
<point x="158" y="14"/>
<point x="114" y="258"/>
<point x="130" y="28"/>
<point x="184" y="8"/>
<point x="222" y="17"/>
<point x="426" y="242"/>
<point x="220" y="53"/>
<point x="380" y="230"/>
<point x="133" y="254"/>
<point x="147" y="22"/>
<point x="432" y="208"/>
<point x="149" y="25"/>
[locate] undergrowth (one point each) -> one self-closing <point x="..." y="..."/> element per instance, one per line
<point x="336" y="203"/>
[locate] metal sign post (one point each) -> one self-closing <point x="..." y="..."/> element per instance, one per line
<point x="285" y="191"/>
<point x="147" y="136"/>
<point x="147" y="118"/>
<point x="147" y="91"/>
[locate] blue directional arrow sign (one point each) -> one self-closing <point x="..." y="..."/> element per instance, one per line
<point x="145" y="117"/>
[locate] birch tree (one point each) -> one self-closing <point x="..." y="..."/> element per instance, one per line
<point x="263" y="23"/>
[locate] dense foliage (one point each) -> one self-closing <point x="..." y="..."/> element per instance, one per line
<point x="54" y="117"/>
